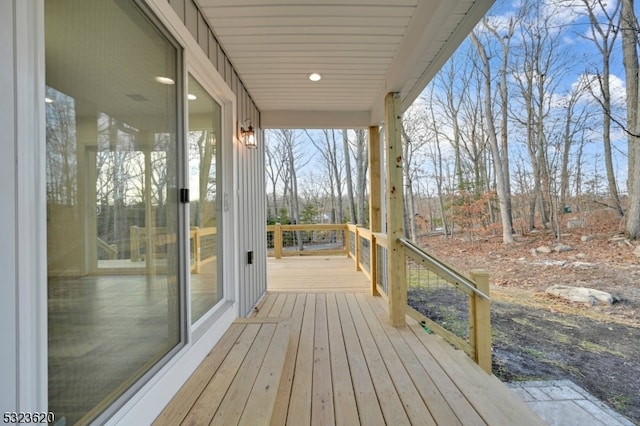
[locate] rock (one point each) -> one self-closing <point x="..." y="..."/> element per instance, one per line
<point x="637" y="251"/>
<point x="581" y="295"/>
<point x="572" y="224"/>
<point x="547" y="262"/>
<point x="583" y="265"/>
<point x="543" y="250"/>
<point x="586" y="238"/>
<point x="561" y="248"/>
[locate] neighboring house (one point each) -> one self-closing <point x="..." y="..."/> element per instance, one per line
<point x="117" y="281"/>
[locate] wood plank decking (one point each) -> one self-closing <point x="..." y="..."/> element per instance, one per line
<point x="335" y="359"/>
<point x="308" y="274"/>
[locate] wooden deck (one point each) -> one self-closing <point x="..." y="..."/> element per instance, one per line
<point x="311" y="274"/>
<point x="334" y="359"/>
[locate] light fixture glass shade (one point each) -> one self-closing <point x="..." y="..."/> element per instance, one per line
<point x="249" y="137"/>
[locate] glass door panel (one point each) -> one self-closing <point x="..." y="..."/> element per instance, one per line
<point x="112" y="211"/>
<point x="205" y="184"/>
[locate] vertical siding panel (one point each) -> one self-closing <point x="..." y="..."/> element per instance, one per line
<point x="203" y="34"/>
<point x="191" y="18"/>
<point x="178" y="6"/>
<point x="220" y="61"/>
<point x="213" y="49"/>
<point x="227" y="70"/>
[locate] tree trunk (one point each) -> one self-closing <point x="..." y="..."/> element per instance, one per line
<point x="347" y="166"/>
<point x="362" y="169"/>
<point x="629" y="27"/>
<point x="507" y="236"/>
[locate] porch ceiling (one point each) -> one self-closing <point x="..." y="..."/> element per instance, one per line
<point x="363" y="49"/>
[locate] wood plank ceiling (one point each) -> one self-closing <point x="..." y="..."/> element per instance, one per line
<point x="363" y="49"/>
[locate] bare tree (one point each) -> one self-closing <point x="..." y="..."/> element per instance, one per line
<point x="437" y="161"/>
<point x="603" y="36"/>
<point x="411" y="142"/>
<point x="573" y="131"/>
<point x="630" y="28"/>
<point x="61" y="163"/>
<point x="274" y="169"/>
<point x="330" y="153"/>
<point x="362" y="165"/>
<point x="501" y="188"/>
<point x="504" y="37"/>
<point x="349" y="180"/>
<point x="537" y="69"/>
<point x="453" y="83"/>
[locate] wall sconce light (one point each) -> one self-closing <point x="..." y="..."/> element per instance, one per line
<point x="249" y="136"/>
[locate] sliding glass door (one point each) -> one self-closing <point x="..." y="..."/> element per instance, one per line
<point x="114" y="103"/>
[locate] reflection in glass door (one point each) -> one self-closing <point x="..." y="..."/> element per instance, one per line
<point x="112" y="211"/>
<point x="205" y="184"/>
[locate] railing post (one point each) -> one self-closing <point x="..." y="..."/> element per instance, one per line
<point x="373" y="264"/>
<point x="347" y="238"/>
<point x="480" y="321"/>
<point x="277" y="241"/>
<point x="134" y="243"/>
<point x="357" y="247"/>
<point x="196" y="249"/>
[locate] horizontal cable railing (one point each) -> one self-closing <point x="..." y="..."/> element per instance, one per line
<point x="312" y="239"/>
<point x="204" y="247"/>
<point x="448" y="303"/>
<point x="440" y="269"/>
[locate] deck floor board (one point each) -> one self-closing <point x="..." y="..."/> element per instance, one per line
<point x="328" y="355"/>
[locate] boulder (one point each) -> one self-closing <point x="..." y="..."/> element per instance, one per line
<point x="561" y="248"/>
<point x="543" y="250"/>
<point x="581" y="295"/>
<point x="586" y="238"/>
<point x="572" y="224"/>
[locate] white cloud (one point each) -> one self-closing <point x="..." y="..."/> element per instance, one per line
<point x="617" y="88"/>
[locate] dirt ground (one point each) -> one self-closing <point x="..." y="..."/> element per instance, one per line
<point x="540" y="337"/>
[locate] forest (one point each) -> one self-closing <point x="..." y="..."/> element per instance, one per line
<point x="534" y="117"/>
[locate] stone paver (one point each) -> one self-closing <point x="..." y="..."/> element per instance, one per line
<point x="563" y="403"/>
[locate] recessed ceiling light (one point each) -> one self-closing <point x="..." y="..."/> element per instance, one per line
<point x="192" y="97"/>
<point x="314" y="76"/>
<point x="165" y="80"/>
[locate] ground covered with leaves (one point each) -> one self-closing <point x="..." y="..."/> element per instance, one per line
<point x="541" y="337"/>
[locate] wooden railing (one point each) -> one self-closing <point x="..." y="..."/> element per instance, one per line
<point x="464" y="325"/>
<point x="202" y="241"/>
<point x="111" y="250"/>
<point x="445" y="314"/>
<point x="306" y="240"/>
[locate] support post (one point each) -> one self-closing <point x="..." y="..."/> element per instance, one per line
<point x="395" y="211"/>
<point x="277" y="241"/>
<point x="480" y="317"/>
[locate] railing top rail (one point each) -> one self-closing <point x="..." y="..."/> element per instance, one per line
<point x="442" y="268"/>
<point x="310" y="227"/>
